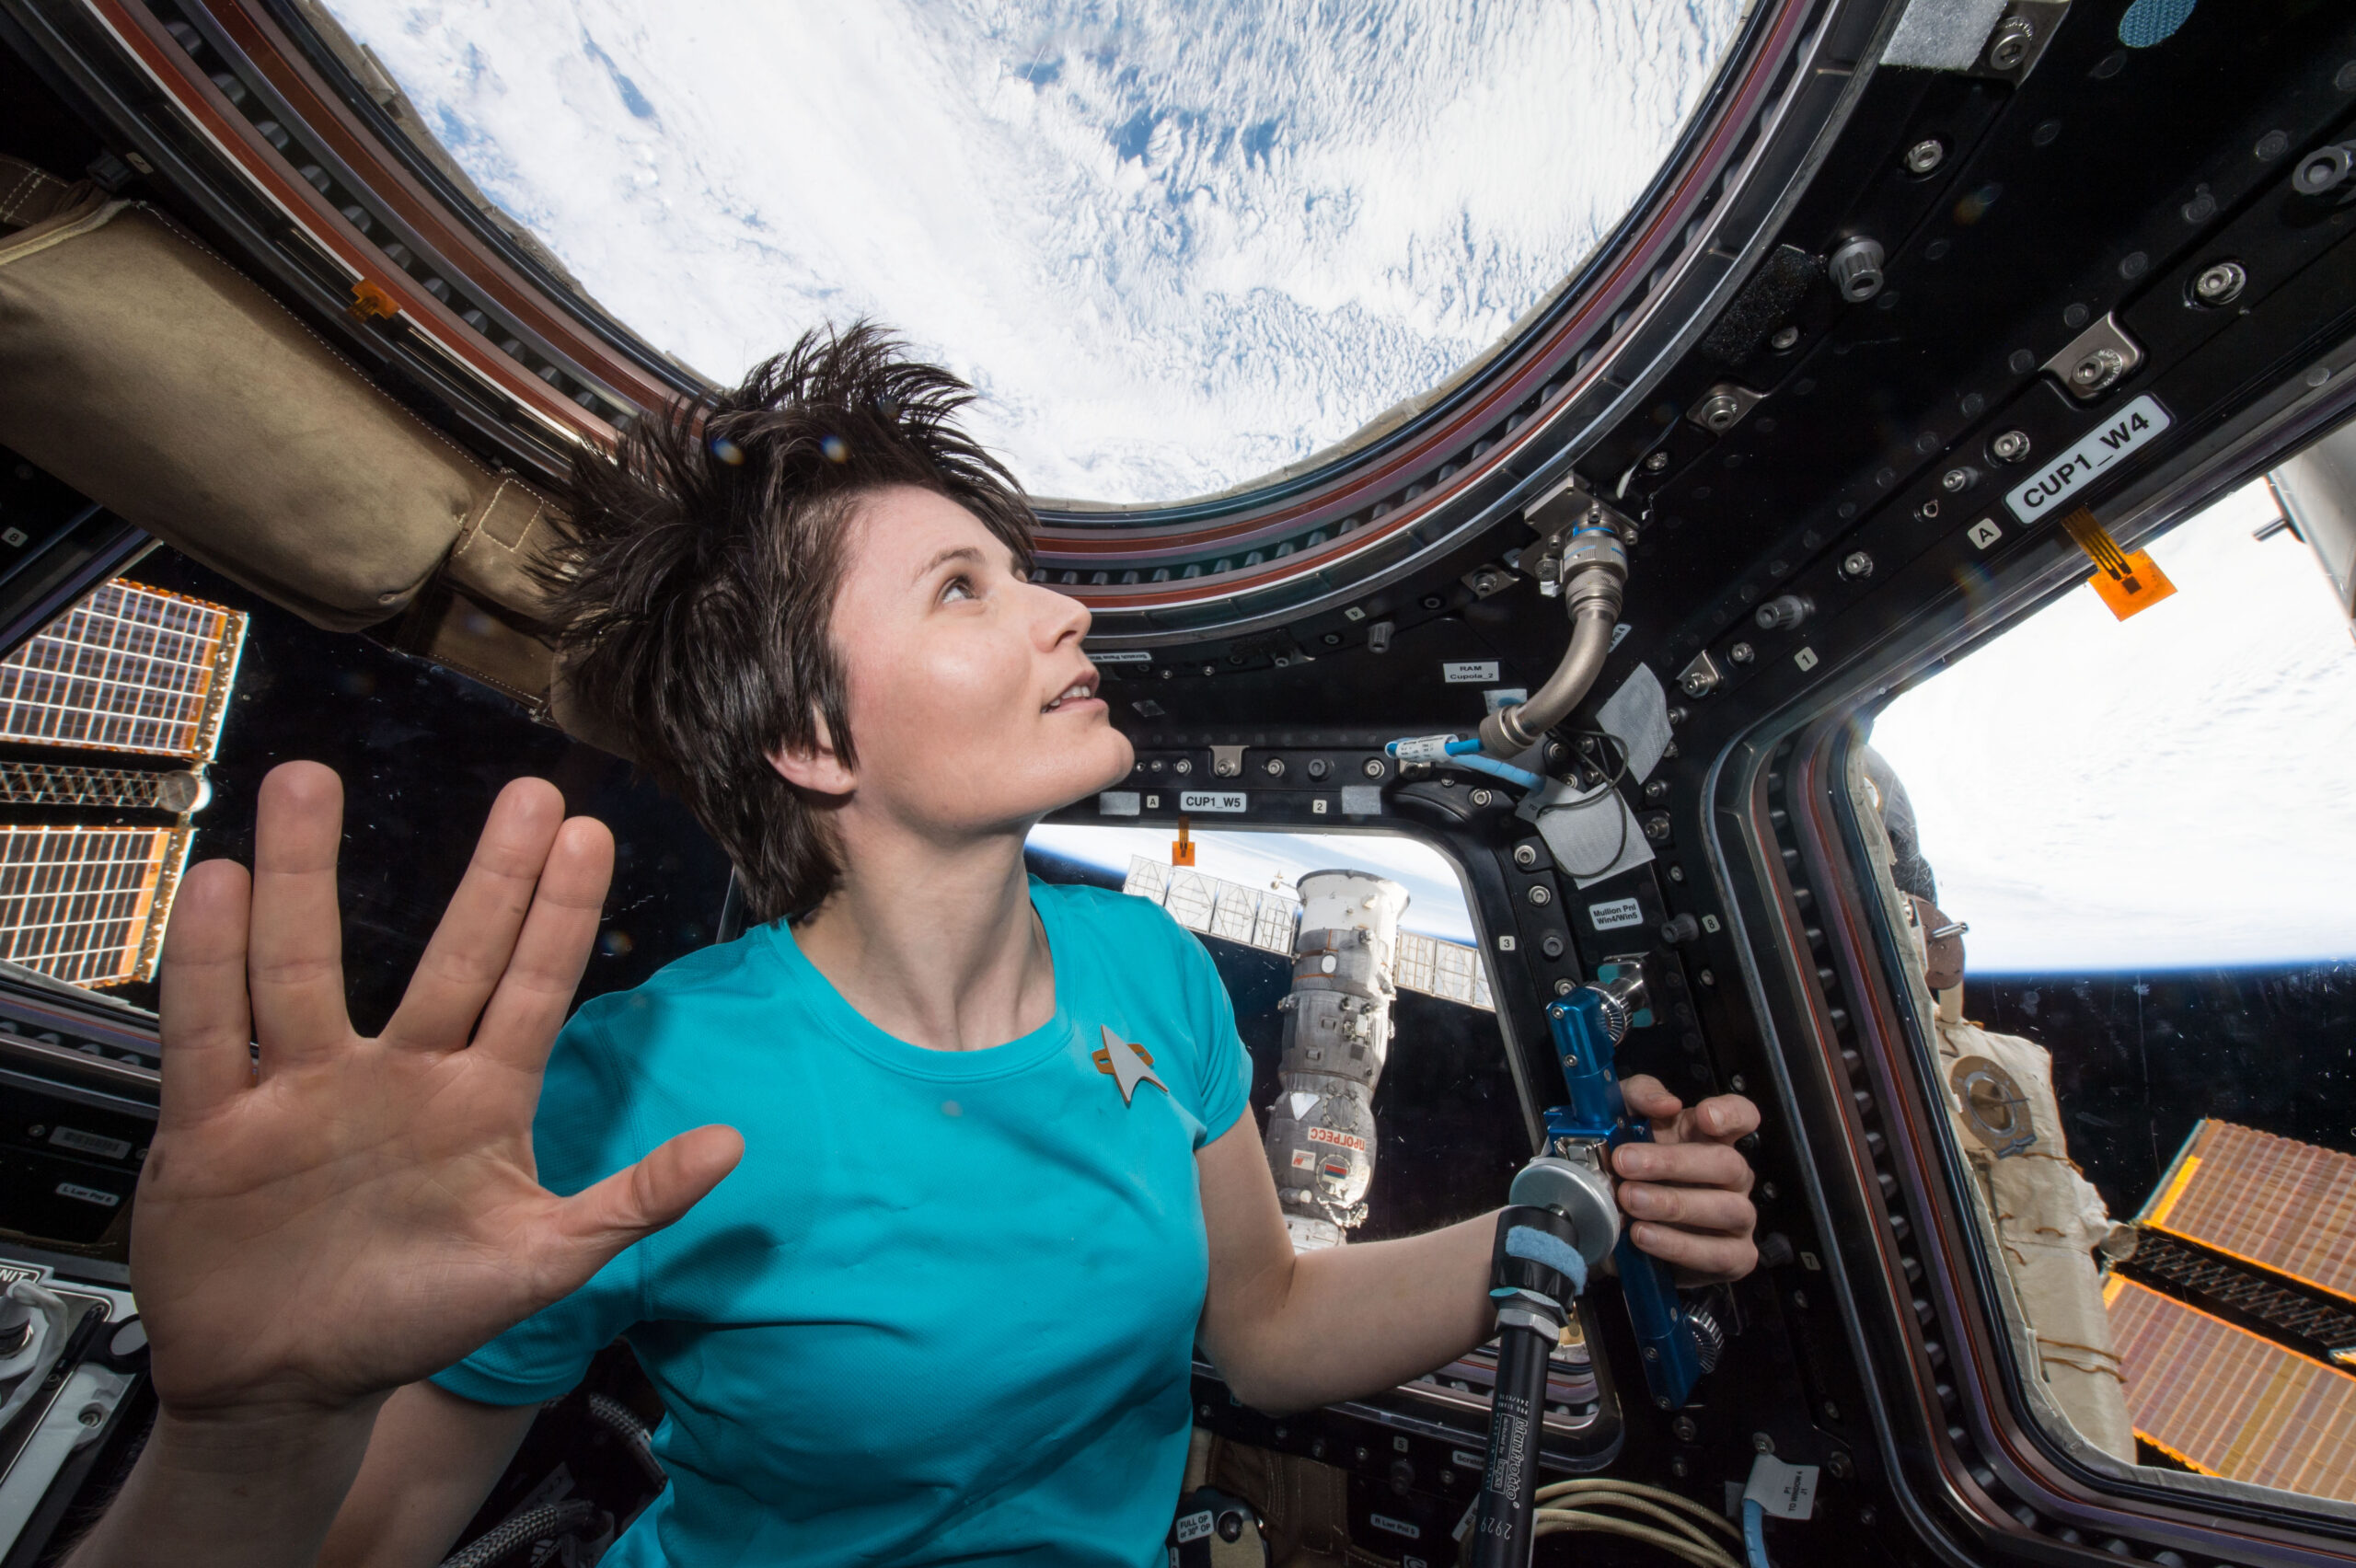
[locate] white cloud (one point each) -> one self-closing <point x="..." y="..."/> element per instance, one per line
<point x="2167" y="791"/>
<point x="1176" y="242"/>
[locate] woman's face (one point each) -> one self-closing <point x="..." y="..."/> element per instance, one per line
<point x="971" y="704"/>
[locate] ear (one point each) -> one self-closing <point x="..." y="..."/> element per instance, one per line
<point x="814" y="767"/>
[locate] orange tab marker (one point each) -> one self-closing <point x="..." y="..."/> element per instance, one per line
<point x="1182" y="852"/>
<point x="2126" y="582"/>
<point x="370" y="300"/>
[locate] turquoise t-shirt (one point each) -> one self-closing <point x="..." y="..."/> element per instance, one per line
<point x="944" y="1310"/>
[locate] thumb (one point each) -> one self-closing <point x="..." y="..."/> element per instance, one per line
<point x="640" y="1199"/>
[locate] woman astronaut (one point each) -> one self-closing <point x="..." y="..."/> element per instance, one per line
<point x="943" y="1309"/>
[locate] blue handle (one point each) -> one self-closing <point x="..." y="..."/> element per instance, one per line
<point x="1671" y="1359"/>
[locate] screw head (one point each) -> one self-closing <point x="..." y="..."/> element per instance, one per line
<point x="1856" y="563"/>
<point x="1317" y="767"/>
<point x="2009" y="445"/>
<point x="1761" y="1443"/>
<point x="1783" y="339"/>
<point x="1564" y="987"/>
<point x="2097" y="370"/>
<point x="1541" y="895"/>
<point x="2220" y="282"/>
<point x="1656" y="461"/>
<point x="1740" y="653"/>
<point x="1956" y="479"/>
<point x="1525" y="854"/>
<point x="1182" y="765"/>
<point x="2010" y="46"/>
<point x="1926" y="156"/>
<point x="1720" y="413"/>
<point x="1684" y="1428"/>
<point x="1374" y="768"/>
<point x="1482" y="797"/>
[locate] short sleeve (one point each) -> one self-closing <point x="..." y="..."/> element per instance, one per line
<point x="581" y="1133"/>
<point x="1225" y="1066"/>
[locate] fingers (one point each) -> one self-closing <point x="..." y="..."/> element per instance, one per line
<point x="1690" y="1164"/>
<point x="1723" y="1117"/>
<point x="295" y="963"/>
<point x="1647" y="1096"/>
<point x="596" y="1224"/>
<point x="1694" y="1208"/>
<point x="471" y="948"/>
<point x="206" y="1028"/>
<point x="529" y="1006"/>
<point x="1705" y="1258"/>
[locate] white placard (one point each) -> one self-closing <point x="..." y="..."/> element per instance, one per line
<point x="2071" y="471"/>
<point x="1616" y="915"/>
<point x="1786" y="1492"/>
<point x="1210" y="799"/>
<point x="1467" y="671"/>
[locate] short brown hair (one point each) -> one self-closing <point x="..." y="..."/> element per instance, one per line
<point x="696" y="580"/>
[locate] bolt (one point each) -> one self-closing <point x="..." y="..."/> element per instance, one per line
<point x="1226" y="769"/>
<point x="93" y="1415"/>
<point x="1182" y="765"/>
<point x="1540" y="894"/>
<point x="1679" y="1466"/>
<point x="1656" y="788"/>
<point x="1855" y="269"/>
<point x="1676" y="873"/>
<point x="1697" y="682"/>
<point x="2010" y="46"/>
<point x="2220" y="282"/>
<point x="1552" y="946"/>
<point x="1684" y="1428"/>
<point x="2324" y="169"/>
<point x="1761" y="1443"/>
<point x="1856" y="563"/>
<point x="1373" y="768"/>
<point x="1274" y="768"/>
<point x="1564" y="987"/>
<point x="1841" y="1466"/>
<point x="1317" y="767"/>
<point x="1525" y="854"/>
<point x="1926" y="156"/>
<point x="1740" y="653"/>
<point x="1677" y="716"/>
<point x="1956" y="479"/>
<point x="1720" y="413"/>
<point x="1709" y="978"/>
<point x="1482" y="797"/>
<point x="1781" y="613"/>
<point x="2097" y="370"/>
<point x="38" y="1130"/>
<point x="1656" y="461"/>
<point x="2009" y="445"/>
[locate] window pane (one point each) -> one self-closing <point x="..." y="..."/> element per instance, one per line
<point x="2151" y="1065"/>
<point x="1178" y="246"/>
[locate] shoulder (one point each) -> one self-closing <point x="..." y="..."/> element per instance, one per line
<point x="683" y="993"/>
<point x="1108" y="914"/>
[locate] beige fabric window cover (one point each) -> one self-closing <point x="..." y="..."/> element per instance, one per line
<point x="142" y="371"/>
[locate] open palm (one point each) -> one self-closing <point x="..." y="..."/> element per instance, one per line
<point x="350" y="1214"/>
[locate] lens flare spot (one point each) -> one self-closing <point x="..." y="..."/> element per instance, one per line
<point x="727" y="451"/>
<point x="837" y="449"/>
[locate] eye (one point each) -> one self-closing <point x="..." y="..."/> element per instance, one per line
<point x="958" y="587"/>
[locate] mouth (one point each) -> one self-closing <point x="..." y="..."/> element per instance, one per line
<point x="1080" y="691"/>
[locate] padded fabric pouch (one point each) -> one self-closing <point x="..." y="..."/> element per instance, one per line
<point x="140" y="369"/>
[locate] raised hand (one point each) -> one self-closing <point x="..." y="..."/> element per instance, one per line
<point x="1688" y="1192"/>
<point x="355" y="1214"/>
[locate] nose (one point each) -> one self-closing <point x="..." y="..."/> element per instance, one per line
<point x="1060" y="618"/>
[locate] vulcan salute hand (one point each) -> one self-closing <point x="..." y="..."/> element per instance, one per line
<point x="356" y="1214"/>
<point x="1688" y="1192"/>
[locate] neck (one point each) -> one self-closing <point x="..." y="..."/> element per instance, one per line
<point x="934" y="943"/>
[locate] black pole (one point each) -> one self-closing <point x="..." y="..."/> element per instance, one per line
<point x="1534" y="1302"/>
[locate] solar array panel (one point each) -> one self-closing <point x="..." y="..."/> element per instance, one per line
<point x="127" y="668"/>
<point x="122" y="788"/>
<point x="1267" y="918"/>
<point x="2273" y="1202"/>
<point x="2229" y="1402"/>
<point x="88" y="904"/>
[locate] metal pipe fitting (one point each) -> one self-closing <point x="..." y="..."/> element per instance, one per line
<point x="1595" y="574"/>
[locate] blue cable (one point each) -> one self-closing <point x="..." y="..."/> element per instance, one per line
<point x="1754" y="1533"/>
<point x="1466" y="753"/>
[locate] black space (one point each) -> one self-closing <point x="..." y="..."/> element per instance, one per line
<point x="422" y="752"/>
<point x="2139" y="1058"/>
<point x="1448" y="1129"/>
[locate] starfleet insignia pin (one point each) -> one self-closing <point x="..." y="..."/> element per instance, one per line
<point x="1128" y="1064"/>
